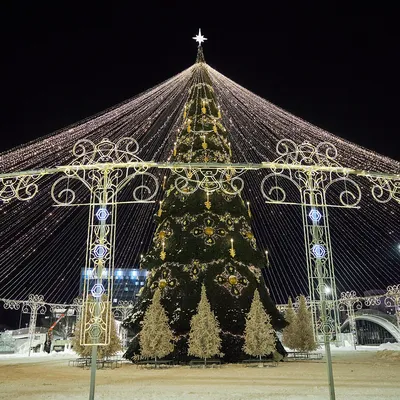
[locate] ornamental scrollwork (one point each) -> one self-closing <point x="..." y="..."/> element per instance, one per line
<point x="349" y="301"/>
<point x="372" y="301"/>
<point x="384" y="189"/>
<point x="122" y="309"/>
<point x="123" y="151"/>
<point x="227" y="180"/>
<point x="22" y="187"/>
<point x="11" y="304"/>
<point x="34" y="303"/>
<point x="309" y="169"/>
<point x="392" y="298"/>
<point x="103" y="171"/>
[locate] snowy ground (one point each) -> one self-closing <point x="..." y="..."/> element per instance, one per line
<point x="364" y="374"/>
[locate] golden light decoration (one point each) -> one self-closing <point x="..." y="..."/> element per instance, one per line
<point x="162" y="234"/>
<point x="195" y="268"/>
<point x="159" y="212"/>
<point x="232" y="251"/>
<point x="163" y="254"/>
<point x="162" y="283"/>
<point x="248" y="235"/>
<point x="208" y="231"/>
<point x="215" y="128"/>
<point x="207" y="203"/>
<point x="165" y="281"/>
<point x="232" y="280"/>
<point x="204" y="144"/>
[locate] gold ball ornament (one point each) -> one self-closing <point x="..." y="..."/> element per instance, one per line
<point x="249" y="235"/>
<point x="233" y="280"/>
<point x="162" y="283"/>
<point x="161" y="235"/>
<point x="209" y="231"/>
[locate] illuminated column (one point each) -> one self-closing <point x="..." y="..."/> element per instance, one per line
<point x="393" y="300"/>
<point x="347" y="302"/>
<point x="33" y="306"/>
<point x="320" y="270"/>
<point x="99" y="269"/>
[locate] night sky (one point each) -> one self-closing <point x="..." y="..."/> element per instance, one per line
<point x="336" y="67"/>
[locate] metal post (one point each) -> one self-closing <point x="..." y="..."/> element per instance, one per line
<point x="347" y="302"/>
<point x="393" y="300"/>
<point x="33" y="306"/>
<point x="318" y="252"/>
<point x="32" y="325"/>
<point x="101" y="239"/>
<point x="327" y="344"/>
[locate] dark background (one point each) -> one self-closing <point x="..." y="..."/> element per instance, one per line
<point x="333" y="65"/>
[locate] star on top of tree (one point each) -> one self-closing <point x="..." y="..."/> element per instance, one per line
<point x="199" y="38"/>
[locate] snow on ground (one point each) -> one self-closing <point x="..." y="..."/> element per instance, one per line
<point x="364" y="374"/>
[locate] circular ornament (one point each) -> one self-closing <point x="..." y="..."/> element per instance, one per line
<point x="209" y="231"/>
<point x="233" y="280"/>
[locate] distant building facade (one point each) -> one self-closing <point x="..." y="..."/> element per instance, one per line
<point x="127" y="283"/>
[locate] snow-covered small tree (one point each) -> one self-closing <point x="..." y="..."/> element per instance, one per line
<point x="204" y="335"/>
<point x="102" y="351"/>
<point x="156" y="335"/>
<point x="259" y="338"/>
<point x="304" y="339"/>
<point x="289" y="332"/>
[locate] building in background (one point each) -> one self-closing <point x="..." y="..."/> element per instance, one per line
<point x="127" y="283"/>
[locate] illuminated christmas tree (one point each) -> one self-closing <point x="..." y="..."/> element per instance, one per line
<point x="203" y="236"/>
<point x="289" y="333"/>
<point x="156" y="336"/>
<point x="259" y="338"/>
<point x="204" y="335"/>
<point x="304" y="339"/>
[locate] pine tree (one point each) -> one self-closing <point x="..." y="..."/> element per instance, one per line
<point x="259" y="338"/>
<point x="156" y="336"/>
<point x="203" y="237"/>
<point x="290" y="332"/>
<point x="304" y="340"/>
<point x="204" y="336"/>
<point x="102" y="351"/>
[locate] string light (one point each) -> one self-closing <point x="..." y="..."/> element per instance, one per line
<point x="254" y="127"/>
